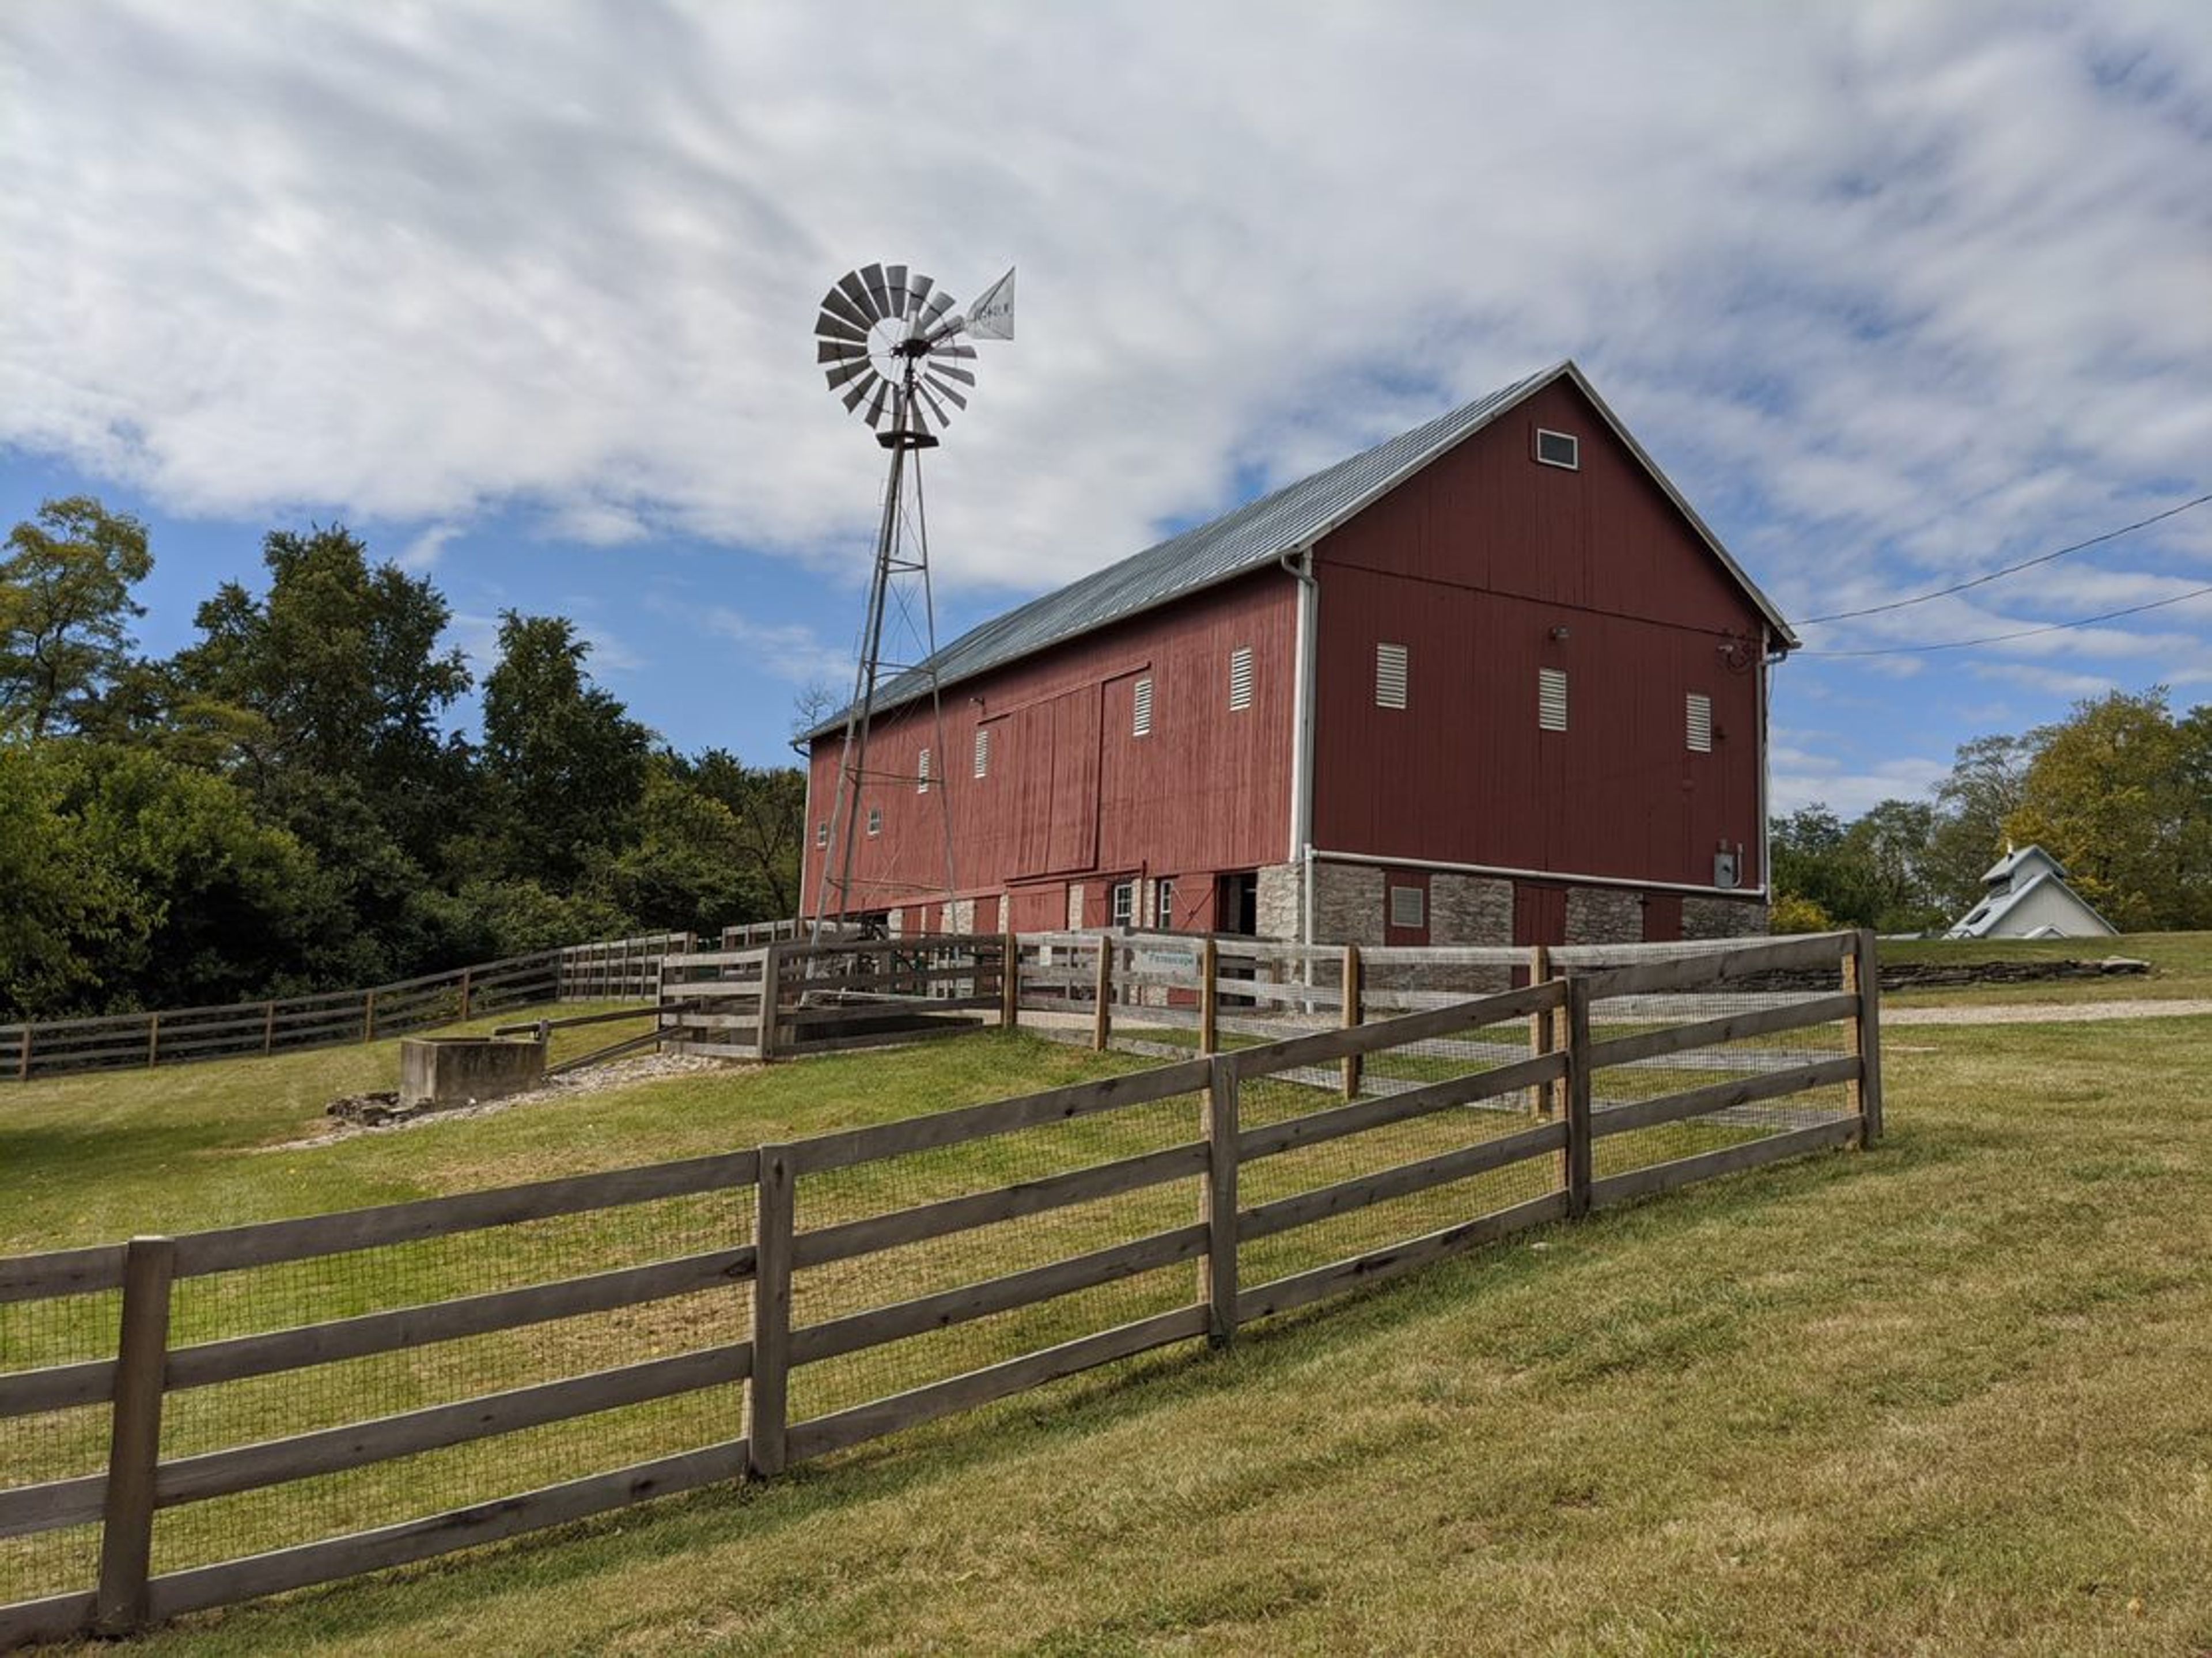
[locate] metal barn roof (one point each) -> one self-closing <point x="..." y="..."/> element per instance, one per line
<point x="1256" y="534"/>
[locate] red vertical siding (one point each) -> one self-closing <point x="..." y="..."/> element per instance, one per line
<point x="1072" y="791"/>
<point x="1473" y="565"/>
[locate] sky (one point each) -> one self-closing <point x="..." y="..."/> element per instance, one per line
<point x="523" y="291"/>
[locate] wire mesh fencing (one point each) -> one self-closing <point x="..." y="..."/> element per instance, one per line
<point x="347" y="1391"/>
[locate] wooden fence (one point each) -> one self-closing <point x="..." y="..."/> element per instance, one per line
<point x="1240" y="1140"/>
<point x="282" y="1025"/>
<point x="619" y="969"/>
<point x="854" y="993"/>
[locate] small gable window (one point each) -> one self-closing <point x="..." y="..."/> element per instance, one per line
<point x="1560" y="449"/>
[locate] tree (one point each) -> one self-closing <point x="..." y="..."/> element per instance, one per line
<point x="341" y="662"/>
<point x="567" y="762"/>
<point x="2114" y="792"/>
<point x="61" y="908"/>
<point x="769" y="805"/>
<point x="65" y="605"/>
<point x="1983" y="789"/>
<point x="218" y="905"/>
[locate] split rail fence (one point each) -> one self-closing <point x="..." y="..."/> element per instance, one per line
<point x="283" y="1025"/>
<point x="189" y="1421"/>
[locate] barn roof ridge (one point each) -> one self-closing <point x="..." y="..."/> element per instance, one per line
<point x="1257" y="533"/>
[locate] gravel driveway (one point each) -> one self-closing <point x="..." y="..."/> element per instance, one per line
<point x="2045" y="1012"/>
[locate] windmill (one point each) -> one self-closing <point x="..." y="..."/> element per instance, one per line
<point x="897" y="352"/>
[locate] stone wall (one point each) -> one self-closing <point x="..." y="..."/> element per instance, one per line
<point x="1282" y="902"/>
<point x="1470" y="910"/>
<point x="1723" y="918"/>
<point x="1604" y="915"/>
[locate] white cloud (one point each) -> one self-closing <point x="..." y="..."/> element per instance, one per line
<point x="1895" y="291"/>
<point x="424" y="552"/>
<point x="789" y="651"/>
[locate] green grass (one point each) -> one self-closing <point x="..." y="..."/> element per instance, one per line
<point x="2180" y="968"/>
<point x="1945" y="1396"/>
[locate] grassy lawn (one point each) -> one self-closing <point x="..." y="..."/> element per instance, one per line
<point x="2180" y="968"/>
<point x="1945" y="1396"/>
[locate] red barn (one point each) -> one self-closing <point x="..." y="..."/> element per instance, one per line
<point x="1490" y="682"/>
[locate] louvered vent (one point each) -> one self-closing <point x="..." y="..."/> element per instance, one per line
<point x="822" y="834"/>
<point x="1701" y="723"/>
<point x="1142" y="725"/>
<point x="1409" y="908"/>
<point x="1551" y="699"/>
<point x="982" y="751"/>
<point x="875" y="820"/>
<point x="921" y="774"/>
<point x="1390" y="675"/>
<point x="1240" y="678"/>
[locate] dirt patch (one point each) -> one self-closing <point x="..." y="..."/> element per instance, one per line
<point x="2045" y="1012"/>
<point x="381" y="1113"/>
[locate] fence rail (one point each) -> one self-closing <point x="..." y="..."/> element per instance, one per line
<point x="884" y="1275"/>
<point x="282" y="1024"/>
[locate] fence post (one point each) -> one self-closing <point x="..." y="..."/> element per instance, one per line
<point x="1217" y="1268"/>
<point x="1578" y="1097"/>
<point x="368" y="1017"/>
<point x="126" y="1535"/>
<point x="1354" y="1014"/>
<point x="152" y="1039"/>
<point x="23" y="1057"/>
<point x="268" y="1028"/>
<point x="468" y="989"/>
<point x="1209" y="995"/>
<point x="768" y="1392"/>
<point x="771" y="990"/>
<point x="1010" y="982"/>
<point x="1862" y="977"/>
<point x="1102" y="1030"/>
<point x="1543" y="1032"/>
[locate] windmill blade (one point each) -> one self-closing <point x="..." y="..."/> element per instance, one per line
<point x="837" y="351"/>
<point x="945" y="391"/>
<point x="939" y="303"/>
<point x="911" y="407"/>
<point x="857" y="292"/>
<point x="838" y="376"/>
<point x="876" y="403"/>
<point x="869" y="380"/>
<point x="836" y="304"/>
<point x="833" y="328"/>
<point x="918" y="288"/>
<point x="950" y="348"/>
<point x="879" y="289"/>
<point x="895" y="280"/>
<point x="935" y="407"/>
<point x="948" y="371"/>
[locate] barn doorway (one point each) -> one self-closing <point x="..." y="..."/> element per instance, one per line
<point x="1237" y="904"/>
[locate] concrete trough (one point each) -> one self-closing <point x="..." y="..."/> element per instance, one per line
<point x="435" y="1071"/>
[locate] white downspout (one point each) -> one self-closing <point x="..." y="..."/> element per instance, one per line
<point x="1302" y="736"/>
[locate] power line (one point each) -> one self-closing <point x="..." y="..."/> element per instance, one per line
<point x="2009" y="569"/>
<point x="2023" y="633"/>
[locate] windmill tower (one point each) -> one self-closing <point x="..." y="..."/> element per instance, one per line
<point x="896" y="351"/>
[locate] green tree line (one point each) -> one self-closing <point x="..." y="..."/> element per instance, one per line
<point x="2119" y="792"/>
<point x="280" y="807"/>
